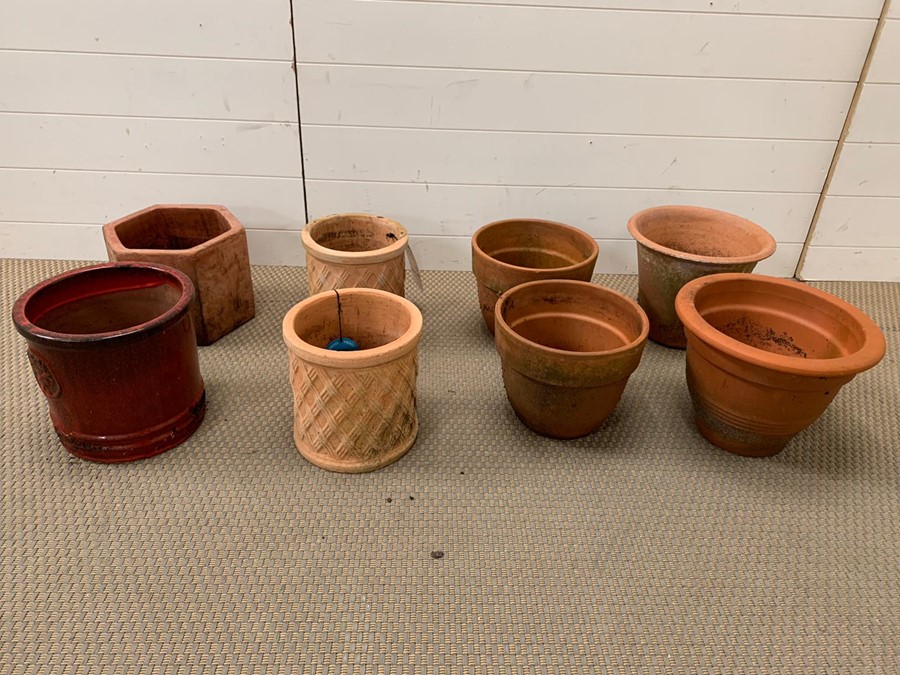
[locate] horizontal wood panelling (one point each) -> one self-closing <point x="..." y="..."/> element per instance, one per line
<point x="872" y="170"/>
<point x="885" y="66"/>
<point x="581" y="40"/>
<point x="52" y="241"/>
<point x="609" y="104"/>
<point x="147" y="86"/>
<point x="859" y="221"/>
<point x="224" y="28"/>
<point x="877" y="117"/>
<point x="852" y="263"/>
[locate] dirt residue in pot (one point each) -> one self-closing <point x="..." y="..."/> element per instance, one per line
<point x="755" y="334"/>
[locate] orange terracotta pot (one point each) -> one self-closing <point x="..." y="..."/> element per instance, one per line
<point x="766" y="356"/>
<point x="567" y="349"/>
<point x="507" y="253"/>
<point x="355" y="250"/>
<point x="354" y="411"/>
<point x="676" y="244"/>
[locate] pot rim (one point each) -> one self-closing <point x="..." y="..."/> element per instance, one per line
<point x="530" y="344"/>
<point x="354" y="257"/>
<point x="767" y="241"/>
<point x="868" y="355"/>
<point x="591" y="259"/>
<point x="35" y="333"/>
<point x="364" y="358"/>
<point x="111" y="234"/>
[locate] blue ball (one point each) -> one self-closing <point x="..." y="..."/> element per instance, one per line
<point x="343" y="345"/>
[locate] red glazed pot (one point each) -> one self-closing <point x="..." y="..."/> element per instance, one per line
<point x="567" y="349"/>
<point x="113" y="349"/>
<point x="766" y="356"/>
<point x="507" y="253"/>
<point x="676" y="244"/>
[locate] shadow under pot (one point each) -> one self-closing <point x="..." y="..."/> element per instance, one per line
<point x="766" y="357"/>
<point x="355" y="250"/>
<point x="676" y="244"/>
<point x="567" y="349"/>
<point x="205" y="242"/>
<point x="112" y="348"/>
<point x="507" y="253"/>
<point x="354" y="411"/>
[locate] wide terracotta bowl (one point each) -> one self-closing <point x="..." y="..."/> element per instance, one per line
<point x="113" y="349"/>
<point x="507" y="253"/>
<point x="567" y="349"/>
<point x="766" y="356"/>
<point x="676" y="244"/>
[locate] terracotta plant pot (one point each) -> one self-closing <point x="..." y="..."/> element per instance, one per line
<point x="678" y="243"/>
<point x="354" y="411"/>
<point x="567" y="349"/>
<point x="507" y="253"/>
<point x="205" y="242"/>
<point x="355" y="250"/>
<point x="113" y="350"/>
<point x="766" y="356"/>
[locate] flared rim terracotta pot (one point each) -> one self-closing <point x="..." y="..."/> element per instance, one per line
<point x="112" y="348"/>
<point x="766" y="356"/>
<point x="355" y="250"/>
<point x="354" y="411"/>
<point x="507" y="253"/>
<point x="206" y="242"/>
<point x="567" y="349"/>
<point x="676" y="244"/>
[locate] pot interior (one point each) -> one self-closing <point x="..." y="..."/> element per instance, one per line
<point x="370" y="320"/>
<point x="534" y="244"/>
<point x="355" y="233"/>
<point x="103" y="300"/>
<point x="171" y="229"/>
<point x="701" y="232"/>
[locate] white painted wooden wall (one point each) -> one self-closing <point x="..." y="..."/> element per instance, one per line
<point x="442" y="114"/>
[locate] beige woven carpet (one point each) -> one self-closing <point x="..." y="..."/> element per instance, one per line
<point x="641" y="547"/>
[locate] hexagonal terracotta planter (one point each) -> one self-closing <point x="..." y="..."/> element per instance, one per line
<point x="113" y="350"/>
<point x="354" y="411"/>
<point x="766" y="356"/>
<point x="355" y="250"/>
<point x="676" y="244"/>
<point x="507" y="253"/>
<point x="567" y="349"/>
<point x="205" y="242"/>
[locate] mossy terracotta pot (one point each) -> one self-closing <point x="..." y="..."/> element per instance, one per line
<point x="354" y="411"/>
<point x="355" y="250"/>
<point x="766" y="356"/>
<point x="205" y="242"/>
<point x="507" y="253"/>
<point x="113" y="350"/>
<point x="567" y="349"/>
<point x="676" y="244"/>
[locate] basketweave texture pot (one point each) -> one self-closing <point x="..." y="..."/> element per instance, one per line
<point x="767" y="356"/>
<point x="567" y="349"/>
<point x="205" y="242"/>
<point x="355" y="250"/>
<point x="113" y="350"/>
<point x="507" y="253"/>
<point x="354" y="411"/>
<point x="676" y="244"/>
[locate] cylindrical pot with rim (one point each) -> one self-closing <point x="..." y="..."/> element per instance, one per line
<point x="676" y="244"/>
<point x="113" y="349"/>
<point x="354" y="411"/>
<point x="507" y="253"/>
<point x="766" y="356"/>
<point x="567" y="349"/>
<point x="355" y="250"/>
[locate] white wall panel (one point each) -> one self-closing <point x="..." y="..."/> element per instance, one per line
<point x="877" y="117"/>
<point x="850" y="222"/>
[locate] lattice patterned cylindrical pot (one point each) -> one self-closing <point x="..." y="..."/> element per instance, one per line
<point x="355" y="250"/>
<point x="354" y="411"/>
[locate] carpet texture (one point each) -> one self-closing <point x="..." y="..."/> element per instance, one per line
<point x="640" y="547"/>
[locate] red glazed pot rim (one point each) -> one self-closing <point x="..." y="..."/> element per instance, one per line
<point x="364" y="358"/>
<point x="355" y="257"/>
<point x="768" y="244"/>
<point x="164" y="274"/>
<point x="594" y="288"/>
<point x="580" y="234"/>
<point x="868" y="355"/>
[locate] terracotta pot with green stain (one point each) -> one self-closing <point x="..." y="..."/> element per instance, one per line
<point x="676" y="244"/>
